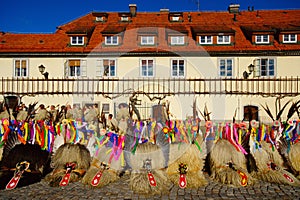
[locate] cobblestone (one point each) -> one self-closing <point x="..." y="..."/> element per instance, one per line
<point x="119" y="190"/>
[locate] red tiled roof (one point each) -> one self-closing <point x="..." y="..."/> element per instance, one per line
<point x="113" y="29"/>
<point x="211" y="29"/>
<point x="193" y="22"/>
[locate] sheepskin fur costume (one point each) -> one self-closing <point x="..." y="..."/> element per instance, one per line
<point x="69" y="158"/>
<point x="191" y="156"/>
<point x="229" y="166"/>
<point x="104" y="168"/>
<point x="270" y="166"/>
<point x="99" y="174"/>
<point x="27" y="160"/>
<point x="149" y="158"/>
<point x="294" y="158"/>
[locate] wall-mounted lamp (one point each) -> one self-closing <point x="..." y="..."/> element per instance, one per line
<point x="247" y="74"/>
<point x="42" y="69"/>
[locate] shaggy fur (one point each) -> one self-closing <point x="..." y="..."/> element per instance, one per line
<point x="108" y="175"/>
<point x="139" y="177"/>
<point x="223" y="152"/>
<point x="14" y="153"/>
<point x="194" y="158"/>
<point x="263" y="157"/>
<point x="66" y="153"/>
<point x="294" y="158"/>
<point x="139" y="182"/>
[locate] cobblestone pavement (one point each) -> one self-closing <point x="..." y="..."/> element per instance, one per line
<point x="121" y="190"/>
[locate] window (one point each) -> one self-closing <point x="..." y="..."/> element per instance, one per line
<point x="147" y="67"/>
<point x="223" y="39"/>
<point x="111" y="40"/>
<point x="251" y="113"/>
<point x="100" y="19"/>
<point x="105" y="108"/>
<point x="264" y="67"/>
<point x="147" y="40"/>
<point x="262" y="39"/>
<point x="177" y="40"/>
<point x="178" y="68"/>
<point x="175" y="18"/>
<point x="225" y="67"/>
<point x="21" y="68"/>
<point x="205" y="39"/>
<point x="106" y="67"/>
<point x="289" y="38"/>
<point x="76" y="68"/>
<point x="124" y="19"/>
<point x="77" y="40"/>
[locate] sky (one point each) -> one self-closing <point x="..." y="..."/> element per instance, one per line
<point x="38" y="16"/>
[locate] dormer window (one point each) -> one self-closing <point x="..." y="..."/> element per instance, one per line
<point x="176" y="35"/>
<point x="223" y="39"/>
<point x="205" y="39"/>
<point x="176" y="17"/>
<point x="147" y="40"/>
<point x="177" y="40"/>
<point x="111" y="40"/>
<point x="262" y="39"/>
<point x="100" y="16"/>
<point x="77" y="40"/>
<point x="99" y="19"/>
<point x="124" y="19"/>
<point x="289" y="38"/>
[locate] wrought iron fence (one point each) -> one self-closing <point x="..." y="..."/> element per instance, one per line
<point x="282" y="86"/>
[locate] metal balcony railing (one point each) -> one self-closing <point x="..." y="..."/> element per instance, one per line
<point x="283" y="86"/>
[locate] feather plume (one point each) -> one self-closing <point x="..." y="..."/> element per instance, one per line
<point x="267" y="109"/>
<point x="291" y="111"/>
<point x="281" y="111"/>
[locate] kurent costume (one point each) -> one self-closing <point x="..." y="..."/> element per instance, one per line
<point x="70" y="162"/>
<point x="22" y="163"/>
<point x="158" y="153"/>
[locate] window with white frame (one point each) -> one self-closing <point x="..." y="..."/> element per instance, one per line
<point x="177" y="40"/>
<point x="223" y="39"/>
<point x="264" y="67"/>
<point x="175" y="18"/>
<point x="99" y="19"/>
<point x="111" y="40"/>
<point x="289" y="38"/>
<point x="106" y="67"/>
<point x="77" y="40"/>
<point x="76" y="68"/>
<point x="178" y="68"/>
<point x="206" y="39"/>
<point x="147" y="67"/>
<point x="21" y="68"/>
<point x="262" y="39"/>
<point x="124" y="18"/>
<point x="225" y="67"/>
<point x="147" y="40"/>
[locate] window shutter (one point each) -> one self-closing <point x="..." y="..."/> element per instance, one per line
<point x="66" y="69"/>
<point x="256" y="72"/>
<point x="83" y="68"/>
<point x="99" y="68"/>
